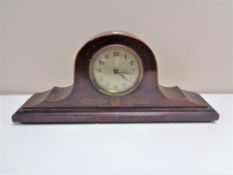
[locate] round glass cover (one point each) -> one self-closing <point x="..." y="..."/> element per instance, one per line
<point x="116" y="70"/>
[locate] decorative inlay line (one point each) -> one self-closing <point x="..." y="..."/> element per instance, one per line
<point x="132" y="101"/>
<point x="94" y="101"/>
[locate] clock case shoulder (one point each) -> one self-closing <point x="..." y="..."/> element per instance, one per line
<point x="82" y="103"/>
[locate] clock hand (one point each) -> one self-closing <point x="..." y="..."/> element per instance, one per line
<point x="125" y="72"/>
<point x="122" y="76"/>
<point x="115" y="71"/>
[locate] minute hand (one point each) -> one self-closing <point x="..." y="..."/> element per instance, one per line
<point x="125" y="72"/>
<point x="122" y="76"/>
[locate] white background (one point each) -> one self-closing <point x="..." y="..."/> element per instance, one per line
<point x="192" y="40"/>
<point x="118" y="149"/>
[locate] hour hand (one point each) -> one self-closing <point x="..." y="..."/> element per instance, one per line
<point x="122" y="76"/>
<point x="116" y="71"/>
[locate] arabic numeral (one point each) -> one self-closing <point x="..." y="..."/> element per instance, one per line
<point x="115" y="87"/>
<point x="116" y="53"/>
<point x="98" y="70"/>
<point x="101" y="62"/>
<point x="131" y="62"/>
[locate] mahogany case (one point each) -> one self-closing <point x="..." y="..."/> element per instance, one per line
<point x="82" y="103"/>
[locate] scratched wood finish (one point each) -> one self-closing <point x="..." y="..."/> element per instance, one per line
<point x="82" y="103"/>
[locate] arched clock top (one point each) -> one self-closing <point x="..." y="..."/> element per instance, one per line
<point x="115" y="37"/>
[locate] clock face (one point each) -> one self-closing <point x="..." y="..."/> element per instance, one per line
<point x="116" y="70"/>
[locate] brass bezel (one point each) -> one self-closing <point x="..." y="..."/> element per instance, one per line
<point x="115" y="46"/>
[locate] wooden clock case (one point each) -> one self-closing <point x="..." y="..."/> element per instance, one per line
<point x="82" y="103"/>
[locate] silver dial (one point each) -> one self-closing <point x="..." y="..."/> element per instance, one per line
<point x="116" y="70"/>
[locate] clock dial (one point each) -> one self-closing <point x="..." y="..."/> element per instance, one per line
<point x="116" y="70"/>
